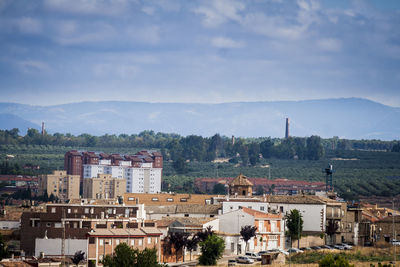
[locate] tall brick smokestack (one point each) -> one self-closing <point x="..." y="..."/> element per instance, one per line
<point x="287" y="128"/>
<point x="43" y="129"/>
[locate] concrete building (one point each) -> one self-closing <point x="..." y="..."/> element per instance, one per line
<point x="188" y="211"/>
<point x="142" y="171"/>
<point x="270" y="230"/>
<point x="165" y="199"/>
<point x="94" y="229"/>
<point x="60" y="184"/>
<point x="104" y="187"/>
<point x="230" y="225"/>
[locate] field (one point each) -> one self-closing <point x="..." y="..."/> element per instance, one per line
<point x="357" y="172"/>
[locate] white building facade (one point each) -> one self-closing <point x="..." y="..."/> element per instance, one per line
<point x="141" y="178"/>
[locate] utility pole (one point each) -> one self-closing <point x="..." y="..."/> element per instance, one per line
<point x="394" y="234"/>
<point x="63" y="238"/>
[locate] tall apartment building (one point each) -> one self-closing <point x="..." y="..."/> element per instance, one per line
<point x="142" y="171"/>
<point x="60" y="184"/>
<point x="104" y="187"/>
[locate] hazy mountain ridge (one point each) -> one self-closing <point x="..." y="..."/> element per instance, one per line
<point x="353" y="118"/>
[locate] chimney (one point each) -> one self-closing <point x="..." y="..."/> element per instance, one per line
<point x="287" y="128"/>
<point x="43" y="130"/>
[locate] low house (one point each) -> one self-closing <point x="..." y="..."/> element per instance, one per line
<point x="269" y="235"/>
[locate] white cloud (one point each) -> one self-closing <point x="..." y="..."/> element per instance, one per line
<point x="124" y="71"/>
<point x="329" y="44"/>
<point x="28" y="25"/>
<point x="71" y="33"/>
<point x="33" y="66"/>
<point x="272" y="26"/>
<point x="149" y="10"/>
<point x="146" y="34"/>
<point x="92" y="7"/>
<point x="219" y="12"/>
<point x="223" y="42"/>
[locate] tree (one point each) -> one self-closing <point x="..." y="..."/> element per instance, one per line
<point x="78" y="257"/>
<point x="247" y="232"/>
<point x="211" y="250"/>
<point x="266" y="148"/>
<point x="331" y="228"/>
<point x="294" y="224"/>
<point x="219" y="189"/>
<point x="191" y="244"/>
<point x="244" y="154"/>
<point x="254" y="153"/>
<point x="203" y="235"/>
<point x="125" y="256"/>
<point x="315" y="150"/>
<point x="260" y="190"/>
<point x="396" y="147"/>
<point x="3" y="249"/>
<point x="178" y="240"/>
<point x="179" y="165"/>
<point x="334" y="261"/>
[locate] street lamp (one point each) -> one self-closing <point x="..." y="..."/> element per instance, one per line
<point x="298" y="229"/>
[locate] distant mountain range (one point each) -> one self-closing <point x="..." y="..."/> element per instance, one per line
<point x="352" y="118"/>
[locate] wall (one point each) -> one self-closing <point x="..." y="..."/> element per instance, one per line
<point x="228" y="206"/>
<point x="232" y="222"/>
<point x="52" y="246"/>
<point x="314" y="215"/>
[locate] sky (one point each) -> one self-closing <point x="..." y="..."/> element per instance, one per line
<point x="62" y="51"/>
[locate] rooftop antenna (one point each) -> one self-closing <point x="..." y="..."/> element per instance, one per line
<point x="329" y="179"/>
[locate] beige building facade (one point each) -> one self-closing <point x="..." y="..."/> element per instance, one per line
<point x="103" y="187"/>
<point x="60" y="184"/>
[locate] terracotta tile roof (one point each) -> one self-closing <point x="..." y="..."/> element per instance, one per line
<point x="166" y="221"/>
<point x="14" y="264"/>
<point x="200" y="209"/>
<point x="116" y="232"/>
<point x="241" y="180"/>
<point x="150" y="230"/>
<point x="259" y="214"/>
<point x="296" y="199"/>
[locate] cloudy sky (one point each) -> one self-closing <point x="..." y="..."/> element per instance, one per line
<point x="62" y="51"/>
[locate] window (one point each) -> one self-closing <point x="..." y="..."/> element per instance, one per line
<point x="149" y="240"/>
<point x="281" y="209"/>
<point x="86" y="210"/>
<point x="156" y="240"/>
<point x="262" y="208"/>
<point x="117" y="242"/>
<point x="69" y="211"/>
<point x="140" y="242"/>
<point x="101" y="242"/>
<point x="48" y="224"/>
<point x="53" y="210"/>
<point x="183" y="199"/>
<point x="186" y="215"/>
<point x="132" y="242"/>
<point x="170" y="199"/>
<point x="154" y="199"/>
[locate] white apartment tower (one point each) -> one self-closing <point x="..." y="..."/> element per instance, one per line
<point x="142" y="171"/>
